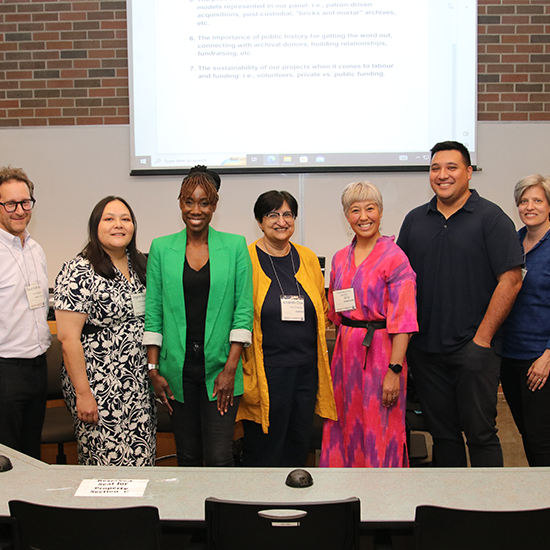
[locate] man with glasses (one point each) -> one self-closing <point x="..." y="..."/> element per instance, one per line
<point x="24" y="332"/>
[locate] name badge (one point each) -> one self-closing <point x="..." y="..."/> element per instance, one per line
<point x="138" y="303"/>
<point x="293" y="308"/>
<point x="34" y="296"/>
<point x="344" y="300"/>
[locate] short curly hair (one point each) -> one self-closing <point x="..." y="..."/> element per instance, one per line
<point x="8" y="173"/>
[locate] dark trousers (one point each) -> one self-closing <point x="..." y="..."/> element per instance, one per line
<point x="530" y="409"/>
<point x="23" y="395"/>
<point x="203" y="436"/>
<point x="292" y="397"/>
<point x="458" y="393"/>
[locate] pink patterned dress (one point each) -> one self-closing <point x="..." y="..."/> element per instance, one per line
<point x="367" y="434"/>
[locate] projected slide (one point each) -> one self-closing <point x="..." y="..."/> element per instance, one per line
<point x="299" y="86"/>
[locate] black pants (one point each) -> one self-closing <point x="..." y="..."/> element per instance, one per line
<point x="530" y="409"/>
<point x="203" y="436"/>
<point x="458" y="393"/>
<point x="292" y="397"/>
<point x="23" y="395"/>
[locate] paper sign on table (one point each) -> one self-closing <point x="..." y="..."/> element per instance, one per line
<point x="111" y="488"/>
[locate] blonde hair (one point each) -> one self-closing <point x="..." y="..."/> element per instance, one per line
<point x="361" y="191"/>
<point x="534" y="180"/>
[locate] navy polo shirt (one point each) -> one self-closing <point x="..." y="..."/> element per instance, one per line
<point x="457" y="261"/>
<point x="527" y="328"/>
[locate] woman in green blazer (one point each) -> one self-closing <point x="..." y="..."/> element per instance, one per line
<point x="198" y="318"/>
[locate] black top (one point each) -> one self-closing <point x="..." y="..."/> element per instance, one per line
<point x="196" y="287"/>
<point x="286" y="343"/>
<point x="457" y="261"/>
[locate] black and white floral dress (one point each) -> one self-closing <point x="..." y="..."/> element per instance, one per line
<point x="116" y="365"/>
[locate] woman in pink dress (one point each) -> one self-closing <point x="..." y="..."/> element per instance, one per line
<point x="372" y="300"/>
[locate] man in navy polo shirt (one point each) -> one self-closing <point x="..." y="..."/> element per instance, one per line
<point x="466" y="254"/>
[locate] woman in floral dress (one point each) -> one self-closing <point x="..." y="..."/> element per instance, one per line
<point x="100" y="306"/>
<point x="372" y="299"/>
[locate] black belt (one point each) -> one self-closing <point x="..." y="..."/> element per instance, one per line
<point x="371" y="326"/>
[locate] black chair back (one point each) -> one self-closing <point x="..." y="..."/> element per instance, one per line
<point x="54" y="357"/>
<point x="39" y="527"/>
<point x="282" y="526"/>
<point x="58" y="425"/>
<point x="438" y="528"/>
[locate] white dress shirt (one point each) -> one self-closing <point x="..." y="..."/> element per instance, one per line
<point x="24" y="332"/>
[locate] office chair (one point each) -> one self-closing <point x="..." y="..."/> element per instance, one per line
<point x="234" y="525"/>
<point x="164" y="425"/>
<point x="39" y="527"/>
<point x="437" y="528"/>
<point x="415" y="422"/>
<point x="58" y="425"/>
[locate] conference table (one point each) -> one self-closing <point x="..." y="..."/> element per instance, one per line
<point x="388" y="496"/>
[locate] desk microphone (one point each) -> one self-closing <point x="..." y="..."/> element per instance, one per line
<point x="5" y="464"/>
<point x="299" y="478"/>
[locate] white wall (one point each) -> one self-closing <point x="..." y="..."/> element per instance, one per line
<point x="75" y="167"/>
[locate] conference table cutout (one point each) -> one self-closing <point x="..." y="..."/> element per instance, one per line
<point x="389" y="496"/>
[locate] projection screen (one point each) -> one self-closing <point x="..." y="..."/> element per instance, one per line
<point x="299" y="86"/>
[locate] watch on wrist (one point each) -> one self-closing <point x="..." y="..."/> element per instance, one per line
<point x="152" y="366"/>
<point x="395" y="367"/>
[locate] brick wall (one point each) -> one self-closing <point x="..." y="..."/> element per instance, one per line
<point x="514" y="60"/>
<point x="63" y="63"/>
<point x="66" y="62"/>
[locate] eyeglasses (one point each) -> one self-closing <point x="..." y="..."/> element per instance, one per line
<point x="11" y="206"/>
<point x="274" y="216"/>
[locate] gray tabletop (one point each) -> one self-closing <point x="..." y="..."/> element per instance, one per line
<point x="387" y="495"/>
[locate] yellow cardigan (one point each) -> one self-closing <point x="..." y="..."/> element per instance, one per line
<point x="255" y="401"/>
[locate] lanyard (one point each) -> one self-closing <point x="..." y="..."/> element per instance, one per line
<point x="25" y="277"/>
<point x="277" y="276"/>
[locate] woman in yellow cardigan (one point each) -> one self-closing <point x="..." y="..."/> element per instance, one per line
<point x="286" y="369"/>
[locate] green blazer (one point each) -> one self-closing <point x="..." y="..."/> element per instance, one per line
<point x="229" y="313"/>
